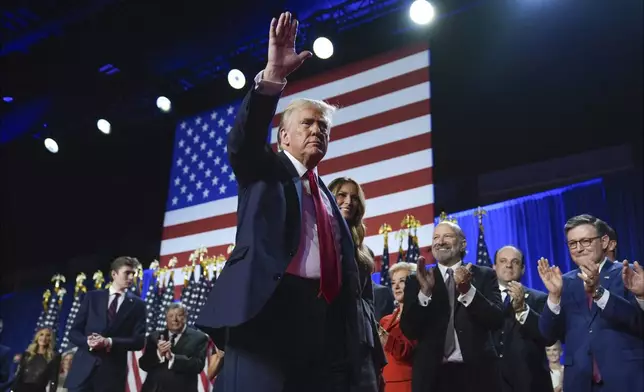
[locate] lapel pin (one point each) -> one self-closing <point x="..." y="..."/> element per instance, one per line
<point x="606" y="277"/>
<point x="526" y="295"/>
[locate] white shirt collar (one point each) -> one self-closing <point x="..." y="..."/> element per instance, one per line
<point x="443" y="269"/>
<point x="177" y="336"/>
<point x="601" y="265"/>
<point x="299" y="166"/>
<point x="114" y="291"/>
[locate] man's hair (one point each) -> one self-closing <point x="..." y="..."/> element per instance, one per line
<point x="124" y="261"/>
<point x="326" y="109"/>
<point x="177" y="305"/>
<point x="459" y="233"/>
<point x="586" y="219"/>
<point x="521" y="257"/>
<point x="612" y="234"/>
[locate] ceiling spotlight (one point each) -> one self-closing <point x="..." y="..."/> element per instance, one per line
<point x="104" y="126"/>
<point x="236" y="79"/>
<point x="323" y="48"/>
<point x="421" y="12"/>
<point x="164" y="104"/>
<point x="51" y="145"/>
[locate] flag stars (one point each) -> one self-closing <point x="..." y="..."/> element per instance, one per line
<point x="213" y="115"/>
<point x="185" y="169"/>
<point x="228" y="129"/>
<point x="183" y="189"/>
<point x="179" y="162"/>
<point x="198" y="120"/>
<point x="205" y="193"/>
<point x="221" y="123"/>
<point x="181" y="143"/>
<point x="225" y="149"/>
<point x="215" y="180"/>
<point x="222" y="189"/>
<point x="203" y="146"/>
<point x="219" y="141"/>
<point x="177" y="181"/>
<point x="205" y="127"/>
<point x="190" y="131"/>
<point x="209" y="153"/>
<point x="183" y="125"/>
<point x="188" y="150"/>
<point x="194" y="157"/>
<point x="230" y="110"/>
<point x="231" y="177"/>
<point x="200" y="165"/>
<point x="192" y="177"/>
<point x="195" y="139"/>
<point x="175" y="200"/>
<point x="190" y="196"/>
<point x="211" y="134"/>
<point x="217" y="160"/>
<point x="199" y="185"/>
<point x="224" y="168"/>
<point x="208" y="173"/>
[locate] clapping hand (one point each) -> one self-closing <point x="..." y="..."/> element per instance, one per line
<point x="282" y="57"/>
<point x="164" y="346"/>
<point x="463" y="278"/>
<point x="590" y="275"/>
<point x="552" y="279"/>
<point x="517" y="293"/>
<point x="425" y="278"/>
<point x="633" y="278"/>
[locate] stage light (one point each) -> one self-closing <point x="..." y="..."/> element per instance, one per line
<point x="51" y="145"/>
<point x="7" y="99"/>
<point x="104" y="126"/>
<point x="323" y="48"/>
<point x="421" y="12"/>
<point x="236" y="79"/>
<point x="164" y="104"/>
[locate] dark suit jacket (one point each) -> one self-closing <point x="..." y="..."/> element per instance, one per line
<point x="474" y="325"/>
<point x="383" y="301"/>
<point x="6" y="361"/>
<point x="127" y="332"/>
<point x="189" y="359"/>
<point x="522" y="348"/>
<point x="613" y="336"/>
<point x="268" y="232"/>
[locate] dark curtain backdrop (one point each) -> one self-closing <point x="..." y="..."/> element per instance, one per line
<point x="533" y="223"/>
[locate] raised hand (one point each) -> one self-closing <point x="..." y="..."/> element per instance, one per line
<point x="426" y="278"/>
<point x="590" y="275"/>
<point x="282" y="57"/>
<point x="517" y="293"/>
<point x="633" y="278"/>
<point x="552" y="279"/>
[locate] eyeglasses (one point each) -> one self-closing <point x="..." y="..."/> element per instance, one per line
<point x="585" y="242"/>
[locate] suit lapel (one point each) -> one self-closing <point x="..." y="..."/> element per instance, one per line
<point x="185" y="339"/>
<point x="103" y="303"/>
<point x="293" y="192"/>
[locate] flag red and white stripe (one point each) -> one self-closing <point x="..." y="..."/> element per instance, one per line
<point x="381" y="137"/>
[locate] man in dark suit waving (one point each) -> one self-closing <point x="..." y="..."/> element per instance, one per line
<point x="108" y="324"/>
<point x="287" y="298"/>
<point x="174" y="358"/>
<point x="452" y="312"/>
<point x="520" y="345"/>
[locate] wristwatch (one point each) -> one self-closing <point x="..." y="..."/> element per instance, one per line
<point x="599" y="291"/>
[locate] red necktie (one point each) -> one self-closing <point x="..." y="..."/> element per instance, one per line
<point x="330" y="277"/>
<point x="111" y="311"/>
<point x="597" y="377"/>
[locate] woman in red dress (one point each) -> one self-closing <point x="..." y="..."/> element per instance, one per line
<point x="398" y="349"/>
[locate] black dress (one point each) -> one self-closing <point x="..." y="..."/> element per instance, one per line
<point x="373" y="354"/>
<point x="35" y="373"/>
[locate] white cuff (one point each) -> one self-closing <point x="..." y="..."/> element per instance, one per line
<point x="523" y="316"/>
<point x="266" y="87"/>
<point x="171" y="361"/>
<point x="467" y="298"/>
<point x="423" y="300"/>
<point x="161" y="357"/>
<point x="554" y="308"/>
<point x="603" y="300"/>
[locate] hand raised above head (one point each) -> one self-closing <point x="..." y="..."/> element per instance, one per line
<point x="282" y="57"/>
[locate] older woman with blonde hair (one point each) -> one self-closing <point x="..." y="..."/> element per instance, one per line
<point x="398" y="349"/>
<point x="39" y="365"/>
<point x="351" y="201"/>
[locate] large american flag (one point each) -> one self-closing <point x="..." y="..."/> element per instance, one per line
<point x="381" y="138"/>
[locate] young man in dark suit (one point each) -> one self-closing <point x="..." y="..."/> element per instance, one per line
<point x="452" y="311"/>
<point x="288" y="298"/>
<point x="108" y="324"/>
<point x="521" y="347"/>
<point x="174" y="358"/>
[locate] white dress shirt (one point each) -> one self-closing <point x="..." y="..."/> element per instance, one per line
<point x="522" y="316"/>
<point x="176" y="340"/>
<point x="465" y="299"/>
<point x="306" y="263"/>
<point x="601" y="301"/>
<point x="112" y="292"/>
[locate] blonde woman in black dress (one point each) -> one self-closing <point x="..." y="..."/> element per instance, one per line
<point x="39" y="365"/>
